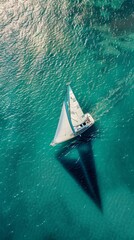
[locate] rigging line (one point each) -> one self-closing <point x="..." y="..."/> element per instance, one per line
<point x="74" y="119"/>
<point x="78" y="116"/>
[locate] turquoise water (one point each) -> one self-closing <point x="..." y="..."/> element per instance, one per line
<point x="45" y="192"/>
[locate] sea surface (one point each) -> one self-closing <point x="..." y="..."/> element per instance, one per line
<point x="83" y="189"/>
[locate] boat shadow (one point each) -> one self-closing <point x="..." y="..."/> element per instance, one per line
<point x="82" y="168"/>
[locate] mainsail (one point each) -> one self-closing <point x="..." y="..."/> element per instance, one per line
<point x="76" y="114"/>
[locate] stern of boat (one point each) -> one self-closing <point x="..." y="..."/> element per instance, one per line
<point x="90" y="121"/>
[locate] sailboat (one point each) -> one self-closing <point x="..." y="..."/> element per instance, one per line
<point x="73" y="122"/>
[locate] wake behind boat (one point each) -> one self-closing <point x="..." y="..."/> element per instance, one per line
<point x="73" y="122"/>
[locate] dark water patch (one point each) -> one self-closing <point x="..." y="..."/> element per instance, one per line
<point x="98" y="23"/>
<point x="124" y="154"/>
<point x="123" y="26"/>
<point x="89" y="14"/>
<point x="6" y="231"/>
<point x="50" y="236"/>
<point x="126" y="8"/>
<point x="83" y="169"/>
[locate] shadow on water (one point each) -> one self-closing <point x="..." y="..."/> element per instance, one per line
<point x="82" y="168"/>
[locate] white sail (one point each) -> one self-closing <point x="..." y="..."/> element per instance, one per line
<point x="72" y="120"/>
<point x="76" y="114"/>
<point x="64" y="130"/>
